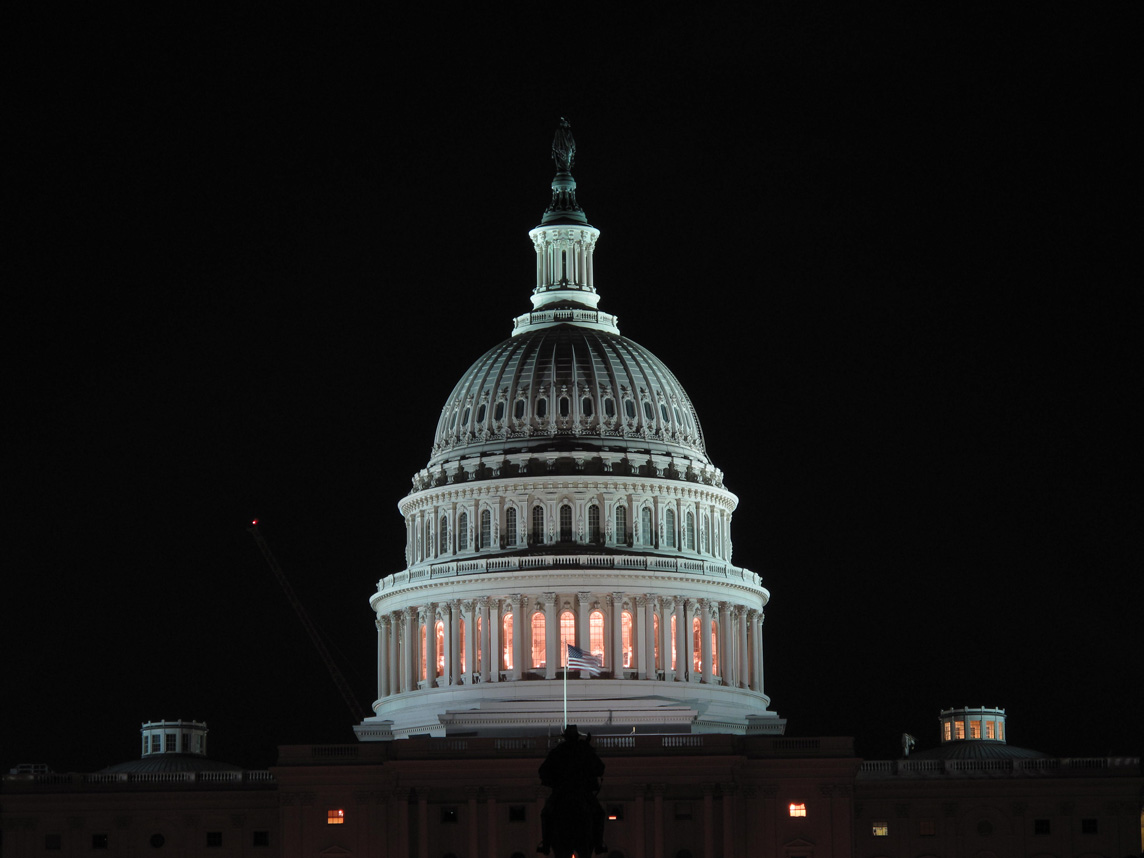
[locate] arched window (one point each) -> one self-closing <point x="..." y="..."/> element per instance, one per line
<point x="424" y="652"/>
<point x="586" y="406"/>
<point x="542" y="408"/>
<point x="648" y="411"/>
<point x="428" y="537"/>
<point x="714" y="647"/>
<point x="646" y="531"/>
<point x="690" y="531"/>
<point x="609" y="407"/>
<point x="621" y="525"/>
<point x="629" y="409"/>
<point x="567" y="634"/>
<point x="626" y="637"/>
<point x="510" y="526"/>
<point x="673" y="667"/>
<point x="537" y="525"/>
<point x="593" y="524"/>
<point x="439" y="633"/>
<point x="477" y="654"/>
<point x="486" y="528"/>
<point x="669" y="527"/>
<point x="538" y="648"/>
<point x="465" y="416"/>
<point x="461" y="641"/>
<point x="463" y="531"/>
<point x="565" y="406"/>
<point x="481" y="413"/>
<point x="518" y="409"/>
<point x="506" y="641"/>
<point x="498" y="411"/>
<point x="443" y="536"/>
<point x="655" y="635"/>
<point x="596" y="634"/>
<point x="696" y="644"/>
<point x="566" y="523"/>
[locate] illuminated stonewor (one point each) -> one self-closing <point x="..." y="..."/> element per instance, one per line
<point x="568" y="498"/>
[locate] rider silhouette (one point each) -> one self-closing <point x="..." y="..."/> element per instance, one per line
<point x="573" y="771"/>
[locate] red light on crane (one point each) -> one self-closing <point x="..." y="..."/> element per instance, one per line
<point x="254" y="523"/>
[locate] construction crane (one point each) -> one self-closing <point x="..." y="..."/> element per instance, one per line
<point x="311" y="629"/>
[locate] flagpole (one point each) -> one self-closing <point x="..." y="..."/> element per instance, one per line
<point x="565" y="686"/>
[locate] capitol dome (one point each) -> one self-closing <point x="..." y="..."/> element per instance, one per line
<point x="568" y="501"/>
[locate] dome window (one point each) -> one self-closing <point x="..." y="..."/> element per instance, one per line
<point x="453" y="422"/>
<point x="465" y="416"/>
<point x="518" y="409"/>
<point x="510" y="526"/>
<point x="593" y="524"/>
<point x="565" y="523"/>
<point x="463" y="532"/>
<point x="596" y="634"/>
<point x="663" y="413"/>
<point x="621" y="525"/>
<point x="486" y="528"/>
<point x="609" y="407"/>
<point x="506" y="636"/>
<point x="565" y="407"/>
<point x="443" y="536"/>
<point x="691" y="531"/>
<point x="648" y="411"/>
<point x="645" y="526"/>
<point x="481" y="409"/>
<point x="630" y="409"/>
<point x="498" y="411"/>
<point x="538" y="525"/>
<point x="678" y="418"/>
<point x="586" y="406"/>
<point x="542" y="408"/>
<point x="669" y="528"/>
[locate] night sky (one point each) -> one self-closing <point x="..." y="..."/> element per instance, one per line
<point x="887" y="257"/>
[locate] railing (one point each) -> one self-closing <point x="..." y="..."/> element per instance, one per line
<point x="642" y="562"/>
<point x="1041" y="766"/>
<point x="122" y="779"/>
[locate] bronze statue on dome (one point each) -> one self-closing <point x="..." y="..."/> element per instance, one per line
<point x="563" y="147"/>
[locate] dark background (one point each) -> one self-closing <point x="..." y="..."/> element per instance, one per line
<point x="887" y="257"/>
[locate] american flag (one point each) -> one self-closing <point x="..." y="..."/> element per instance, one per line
<point x="580" y="660"/>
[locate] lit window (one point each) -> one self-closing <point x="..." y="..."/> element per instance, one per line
<point x="673" y="642"/>
<point x="439" y="634"/>
<point x="655" y="635"/>
<point x="959" y="729"/>
<point x="507" y="636"/>
<point x="486" y="528"/>
<point x="669" y="528"/>
<point x="988" y="729"/>
<point x="596" y="634"/>
<point x="461" y="642"/>
<point x="567" y="634"/>
<point x="798" y="809"/>
<point x="477" y="642"/>
<point x="424" y="651"/>
<point x="1001" y="730"/>
<point x="621" y="524"/>
<point x="335" y="817"/>
<point x="696" y="645"/>
<point x="880" y="829"/>
<point x="645" y="526"/>
<point x="538" y="656"/>
<point x="510" y="525"/>
<point x="974" y="729"/>
<point x="463" y="532"/>
<point x="626" y="634"/>
<point x="714" y="647"/>
<point x="947" y="730"/>
<point x="537" y="525"/>
<point x="593" y="524"/>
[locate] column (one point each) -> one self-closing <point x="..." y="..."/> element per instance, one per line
<point x="430" y="645"/>
<point x="726" y="666"/>
<point x="584" y="605"/>
<point x="741" y="631"/>
<point x="472" y="669"/>
<point x="617" y="600"/>
<point x="753" y="620"/>
<point x="518" y="624"/>
<point x="705" y="643"/>
<point x="381" y="657"/>
<point x="552" y="637"/>
<point x="492" y="657"/>
<point x="454" y="642"/>
<point x="394" y="648"/>
<point x="685" y="661"/>
<point x="411" y="650"/>
<point x="667" y="611"/>
<point x="645" y="654"/>
<point x="759" y="649"/>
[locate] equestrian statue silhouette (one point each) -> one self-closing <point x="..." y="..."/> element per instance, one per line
<point x="572" y="822"/>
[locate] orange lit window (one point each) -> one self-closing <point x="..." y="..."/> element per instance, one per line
<point x="673" y="642"/>
<point x="423" y="651"/>
<point x="797" y="809"/>
<point x="335" y="817"/>
<point x="655" y="637"/>
<point x="959" y="729"/>
<point x="462" y="643"/>
<point x="880" y="829"/>
<point x="596" y="634"/>
<point x="974" y="729"/>
<point x="626" y="634"/>
<point x="1000" y="730"/>
<point x="477" y="641"/>
<point x="538" y="655"/>
<point x="567" y="634"/>
<point x="946" y="730"/>
<point x="439" y="634"/>
<point x="988" y="729"/>
<point x="714" y="647"/>
<point x="508" y="642"/>
<point x="696" y="645"/>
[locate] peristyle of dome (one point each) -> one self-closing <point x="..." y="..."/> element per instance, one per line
<point x="568" y="500"/>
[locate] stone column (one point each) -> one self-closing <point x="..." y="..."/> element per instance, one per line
<point x="667" y="611"/>
<point x="753" y="620"/>
<point x="430" y="645"/>
<point x="472" y="669"/>
<point x="645" y="655"/>
<point x="726" y="661"/>
<point x="552" y="637"/>
<point x="518" y="624"/>
<point x="583" y="638"/>
<point x="382" y="690"/>
<point x="759" y="649"/>
<point x="412" y="653"/>
<point x="617" y="600"/>
<point x="492" y="659"/>
<point x="705" y="643"/>
<point x="687" y="639"/>
<point x="744" y="658"/>
<point x="455" y="642"/>
<point x="394" y="649"/>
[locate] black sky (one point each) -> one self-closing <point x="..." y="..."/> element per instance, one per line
<point x="888" y="257"/>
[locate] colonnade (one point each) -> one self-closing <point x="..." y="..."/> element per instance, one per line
<point x="646" y="637"/>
